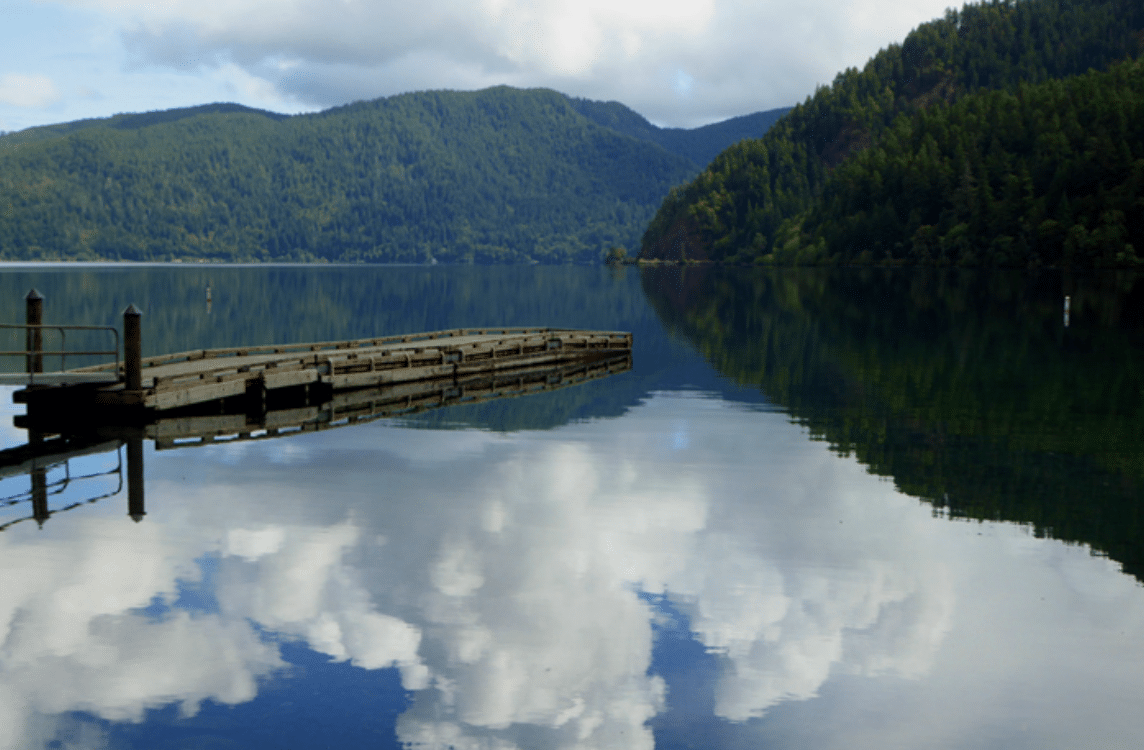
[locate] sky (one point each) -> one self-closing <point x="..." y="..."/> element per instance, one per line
<point x="680" y="63"/>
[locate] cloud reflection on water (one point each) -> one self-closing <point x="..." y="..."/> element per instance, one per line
<point x="76" y="636"/>
<point x="501" y="574"/>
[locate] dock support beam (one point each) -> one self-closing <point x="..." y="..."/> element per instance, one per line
<point x="133" y="348"/>
<point x="34" y="316"/>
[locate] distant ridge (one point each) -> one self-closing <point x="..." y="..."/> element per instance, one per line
<point x="502" y="175"/>
<point x="135" y="120"/>
<point x="699" y="145"/>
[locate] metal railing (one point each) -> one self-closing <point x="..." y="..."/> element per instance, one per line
<point x="40" y="495"/>
<point x="35" y="354"/>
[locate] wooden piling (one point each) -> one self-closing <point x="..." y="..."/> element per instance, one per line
<point x="34" y="341"/>
<point x="132" y="349"/>
<point x="135" y="478"/>
<point x="40" y="510"/>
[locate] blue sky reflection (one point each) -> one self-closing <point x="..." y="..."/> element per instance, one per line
<point x="597" y="585"/>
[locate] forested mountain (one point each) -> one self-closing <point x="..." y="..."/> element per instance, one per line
<point x="500" y="175"/>
<point x="1051" y="174"/>
<point x="806" y="191"/>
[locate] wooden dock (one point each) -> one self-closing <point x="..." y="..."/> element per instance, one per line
<point x="189" y="379"/>
<point x="183" y="427"/>
<point x="207" y="396"/>
<point x="62" y="436"/>
<point x="255" y="380"/>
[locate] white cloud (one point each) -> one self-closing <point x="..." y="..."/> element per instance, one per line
<point x="681" y="63"/>
<point x="73" y="636"/>
<point x="295" y="581"/>
<point x="539" y="612"/>
<point x="27" y="90"/>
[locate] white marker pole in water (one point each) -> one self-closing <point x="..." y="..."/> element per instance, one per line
<point x="1068" y="303"/>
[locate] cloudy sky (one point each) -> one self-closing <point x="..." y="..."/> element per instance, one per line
<point x="678" y="62"/>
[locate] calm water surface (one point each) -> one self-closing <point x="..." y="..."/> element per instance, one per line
<point x="881" y="511"/>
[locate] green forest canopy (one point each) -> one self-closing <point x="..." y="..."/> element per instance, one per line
<point x="500" y="175"/>
<point x="986" y="152"/>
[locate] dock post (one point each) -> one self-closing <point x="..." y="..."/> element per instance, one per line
<point x="135" y="478"/>
<point x="40" y="510"/>
<point x="133" y="348"/>
<point x="34" y="344"/>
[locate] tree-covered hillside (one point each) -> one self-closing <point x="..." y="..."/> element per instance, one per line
<point x="500" y="175"/>
<point x="1051" y="174"/>
<point x="753" y="199"/>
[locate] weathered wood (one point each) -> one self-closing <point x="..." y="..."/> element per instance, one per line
<point x="355" y="406"/>
<point x="181" y="380"/>
<point x="293" y="411"/>
<point x="275" y="379"/>
<point x="132" y="348"/>
<point x="182" y="428"/>
<point x="174" y="398"/>
<point x="457" y="336"/>
<point x="59" y="378"/>
<point x="34" y="317"/>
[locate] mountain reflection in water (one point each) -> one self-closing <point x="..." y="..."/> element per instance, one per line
<point x="690" y="571"/>
<point x="969" y="389"/>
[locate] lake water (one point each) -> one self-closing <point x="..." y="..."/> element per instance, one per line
<point x="827" y="509"/>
